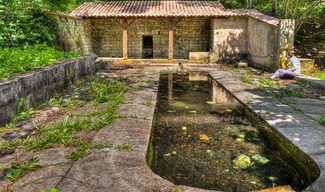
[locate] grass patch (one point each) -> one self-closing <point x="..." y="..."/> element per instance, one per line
<point x="8" y="145"/>
<point x="99" y="91"/>
<point x="65" y="132"/>
<point x="247" y="78"/>
<point x="101" y="145"/>
<point x="21" y="113"/>
<point x="55" y="102"/>
<point x="266" y="81"/>
<point x="146" y="103"/>
<point x="124" y="147"/>
<point x="321" y="120"/>
<point x="320" y="74"/>
<point x="16" y="60"/>
<point x="18" y="170"/>
<point x="135" y="88"/>
<point x="287" y="92"/>
<point x="261" y="88"/>
<point x="51" y="190"/>
<point x="81" y="151"/>
<point x="47" y="137"/>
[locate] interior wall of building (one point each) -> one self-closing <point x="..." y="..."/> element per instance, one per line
<point x="228" y="39"/>
<point x="190" y="35"/>
<point x="155" y="28"/>
<point x="106" y="38"/>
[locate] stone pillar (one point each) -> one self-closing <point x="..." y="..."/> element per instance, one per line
<point x="170" y="39"/>
<point x="285" y="40"/>
<point x="125" y="38"/>
<point x="170" y="86"/>
<point x="125" y="26"/>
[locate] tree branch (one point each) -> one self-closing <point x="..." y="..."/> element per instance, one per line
<point x="312" y="35"/>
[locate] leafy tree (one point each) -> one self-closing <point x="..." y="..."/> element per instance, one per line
<point x="233" y="4"/>
<point x="308" y="14"/>
<point x="303" y="11"/>
<point x="23" y="23"/>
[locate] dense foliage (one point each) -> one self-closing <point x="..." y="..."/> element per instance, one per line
<point x="308" y="14"/>
<point x="14" y="60"/>
<point x="23" y="24"/>
<point x="27" y="37"/>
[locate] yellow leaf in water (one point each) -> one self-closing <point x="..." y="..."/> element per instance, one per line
<point x="204" y="137"/>
<point x="240" y="140"/>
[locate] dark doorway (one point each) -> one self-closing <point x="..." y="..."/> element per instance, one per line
<point x="147" y="45"/>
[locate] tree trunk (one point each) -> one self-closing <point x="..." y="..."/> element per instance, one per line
<point x="275" y="8"/>
<point x="249" y="4"/>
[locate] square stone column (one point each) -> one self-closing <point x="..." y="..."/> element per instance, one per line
<point x="286" y="30"/>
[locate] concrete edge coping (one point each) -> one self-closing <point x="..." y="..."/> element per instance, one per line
<point x="231" y="83"/>
<point x="314" y="151"/>
<point x="320" y="84"/>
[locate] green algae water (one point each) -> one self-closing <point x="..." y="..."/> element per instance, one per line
<point x="201" y="138"/>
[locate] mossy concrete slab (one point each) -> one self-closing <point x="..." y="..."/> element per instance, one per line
<point x="108" y="169"/>
<point x="295" y="125"/>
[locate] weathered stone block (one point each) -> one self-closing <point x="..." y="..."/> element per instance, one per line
<point x="39" y="86"/>
<point x="306" y="64"/>
<point x="199" y="56"/>
<point x="8" y="92"/>
<point x="7" y="113"/>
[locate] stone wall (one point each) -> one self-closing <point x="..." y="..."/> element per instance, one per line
<point x="106" y="38"/>
<point x="39" y="86"/>
<point x="190" y="35"/>
<point x="88" y="49"/>
<point x="262" y="43"/>
<point x="148" y="27"/>
<point x="285" y="41"/>
<point x="246" y="38"/>
<point x="228" y="39"/>
<point x="71" y="35"/>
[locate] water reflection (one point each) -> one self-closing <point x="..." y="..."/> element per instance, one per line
<point x="199" y="134"/>
<point x="197" y="76"/>
<point x="170" y="86"/>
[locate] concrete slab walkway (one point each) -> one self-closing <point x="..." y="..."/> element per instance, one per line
<point x="110" y="170"/>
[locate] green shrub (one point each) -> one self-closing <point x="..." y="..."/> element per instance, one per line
<point x="18" y="170"/>
<point x="15" y="60"/>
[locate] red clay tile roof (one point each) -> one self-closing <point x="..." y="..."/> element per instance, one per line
<point x="147" y="9"/>
<point x="266" y="18"/>
<point x="150" y="9"/>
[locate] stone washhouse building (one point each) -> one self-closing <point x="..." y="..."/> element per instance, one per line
<point x="198" y="31"/>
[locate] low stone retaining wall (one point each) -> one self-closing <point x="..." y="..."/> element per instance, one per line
<point x="39" y="86"/>
<point x="307" y="64"/>
<point x="200" y="57"/>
